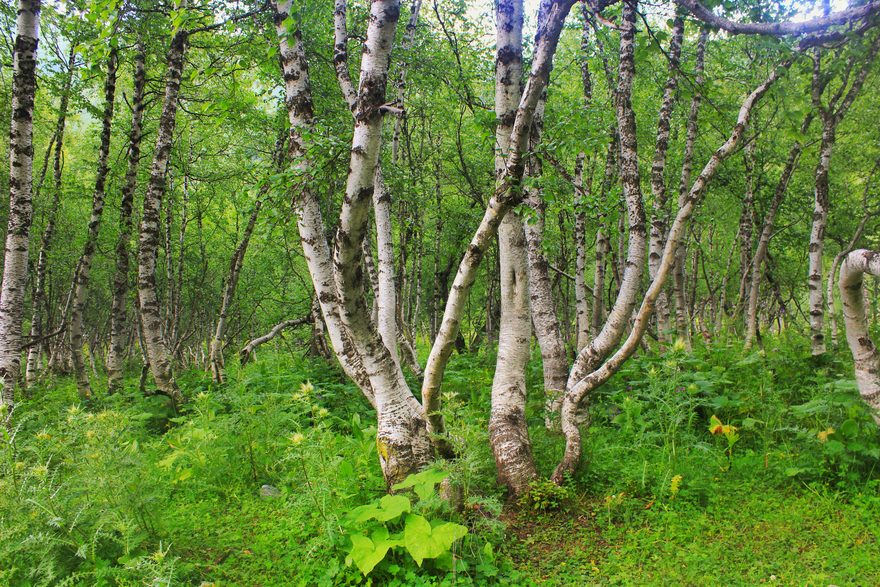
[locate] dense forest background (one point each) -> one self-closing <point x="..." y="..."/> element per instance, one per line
<point x="441" y="292"/>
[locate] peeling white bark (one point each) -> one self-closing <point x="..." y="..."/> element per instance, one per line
<point x="21" y="155"/>
<point x="865" y="353"/>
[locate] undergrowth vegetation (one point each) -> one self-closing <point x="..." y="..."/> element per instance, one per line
<point x="710" y="467"/>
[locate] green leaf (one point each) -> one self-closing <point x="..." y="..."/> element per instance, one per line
<point x="366" y="554"/>
<point x="423" y="483"/>
<point x="849" y="428"/>
<point x="424" y="541"/>
<point x="388" y="508"/>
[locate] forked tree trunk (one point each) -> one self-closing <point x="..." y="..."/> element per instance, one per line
<point x="831" y="116"/>
<point x="21" y="155"/>
<point x="402" y="438"/>
<point x="580" y="388"/>
<point x="506" y="195"/>
<point x="83" y="269"/>
<point x="593" y="354"/>
<point x="118" y="308"/>
<point x="508" y="429"/>
<point x="156" y="346"/>
<point x="310" y="222"/>
<point x="865" y="353"/>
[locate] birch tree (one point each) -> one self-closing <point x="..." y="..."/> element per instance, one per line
<point x="21" y="153"/>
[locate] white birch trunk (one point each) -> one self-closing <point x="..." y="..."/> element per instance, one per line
<point x="118" y="314"/>
<point x="578" y="389"/>
<point x="81" y="275"/>
<point x="21" y="155"/>
<point x="865" y="353"/>
<point x="156" y="347"/>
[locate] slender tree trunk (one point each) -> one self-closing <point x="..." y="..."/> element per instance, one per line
<point x="578" y="389"/>
<point x="118" y="309"/>
<point x="865" y="353"/>
<point x="581" y="294"/>
<point x="746" y="227"/>
<point x="21" y="154"/>
<point x="860" y="230"/>
<point x="81" y="275"/>
<point x="235" y="265"/>
<point x="39" y="303"/>
<point x="603" y="244"/>
<point x="156" y="346"/>
<point x="831" y="117"/>
<point x="684" y="187"/>
<point x="592" y="356"/>
<point x="658" y="171"/>
<point x="507" y="194"/>
<point x="386" y="295"/>
<point x="766" y="234"/>
<point x="540" y="287"/>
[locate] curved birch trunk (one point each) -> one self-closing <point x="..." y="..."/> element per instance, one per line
<point x="593" y="354"/>
<point x="402" y="437"/>
<point x="578" y="389"/>
<point x="148" y="241"/>
<point x="865" y="353"/>
<point x="506" y="195"/>
<point x="118" y="313"/>
<point x="81" y="275"/>
<point x="21" y="155"/>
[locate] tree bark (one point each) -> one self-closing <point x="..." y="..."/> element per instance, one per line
<point x="235" y="265"/>
<point x="83" y="269"/>
<point x="39" y="303"/>
<point x="508" y="429"/>
<point x="578" y="389"/>
<point x="865" y="353"/>
<point x="118" y="309"/>
<point x="684" y="187"/>
<point x="21" y="155"/>
<point x="658" y="172"/>
<point x="148" y="241"/>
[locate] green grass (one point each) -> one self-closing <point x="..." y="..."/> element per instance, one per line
<point x="124" y="492"/>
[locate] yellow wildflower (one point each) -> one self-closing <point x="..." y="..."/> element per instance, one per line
<point x="823" y="436"/>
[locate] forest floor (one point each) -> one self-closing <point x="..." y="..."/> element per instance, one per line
<point x="255" y="482"/>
